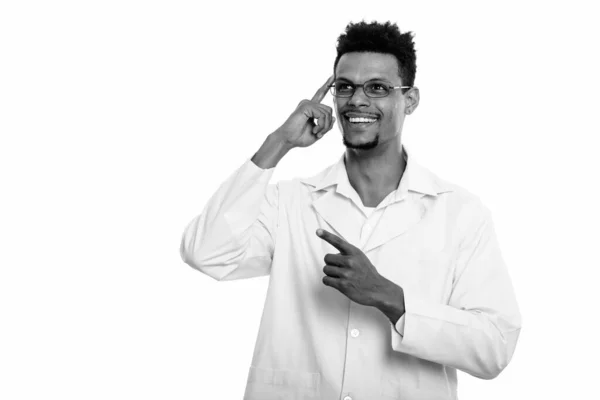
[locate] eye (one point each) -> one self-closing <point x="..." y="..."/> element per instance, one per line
<point x="343" y="86"/>
<point x="377" y="88"/>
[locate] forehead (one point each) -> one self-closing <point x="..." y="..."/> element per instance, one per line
<point x="361" y="67"/>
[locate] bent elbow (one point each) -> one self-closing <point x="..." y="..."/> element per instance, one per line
<point x="220" y="268"/>
<point x="188" y="255"/>
<point x="193" y="258"/>
<point x="492" y="365"/>
<point x="490" y="371"/>
<point x="488" y="367"/>
<point x="218" y="274"/>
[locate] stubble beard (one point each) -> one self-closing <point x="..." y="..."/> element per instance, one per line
<point x="361" y="146"/>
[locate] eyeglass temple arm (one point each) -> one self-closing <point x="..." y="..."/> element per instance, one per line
<point x="393" y="87"/>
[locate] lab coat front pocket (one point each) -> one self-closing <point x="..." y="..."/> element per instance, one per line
<point x="394" y="390"/>
<point x="278" y="384"/>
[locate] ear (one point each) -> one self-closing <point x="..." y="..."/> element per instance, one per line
<point x="412" y="100"/>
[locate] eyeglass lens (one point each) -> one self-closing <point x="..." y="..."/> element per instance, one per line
<point x="372" y="89"/>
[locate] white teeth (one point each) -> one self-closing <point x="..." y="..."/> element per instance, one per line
<point x="361" y="119"/>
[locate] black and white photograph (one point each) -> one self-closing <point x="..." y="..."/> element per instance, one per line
<point x="299" y="200"/>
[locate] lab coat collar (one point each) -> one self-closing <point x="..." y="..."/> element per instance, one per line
<point x="416" y="178"/>
<point x="336" y="205"/>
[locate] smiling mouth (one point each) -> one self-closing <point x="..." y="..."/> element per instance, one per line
<point x="361" y="121"/>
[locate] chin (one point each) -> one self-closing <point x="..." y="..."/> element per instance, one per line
<point x="371" y="144"/>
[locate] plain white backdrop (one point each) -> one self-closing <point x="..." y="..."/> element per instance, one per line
<point x="119" y="119"/>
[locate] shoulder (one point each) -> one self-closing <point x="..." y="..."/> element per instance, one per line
<point x="311" y="183"/>
<point x="447" y="190"/>
<point x="463" y="210"/>
<point x="458" y="200"/>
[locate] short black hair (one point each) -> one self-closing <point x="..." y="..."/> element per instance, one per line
<point x="383" y="38"/>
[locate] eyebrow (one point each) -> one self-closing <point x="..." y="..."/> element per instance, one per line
<point x="378" y="78"/>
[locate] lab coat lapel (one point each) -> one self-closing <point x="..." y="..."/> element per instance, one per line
<point x="396" y="220"/>
<point x="337" y="211"/>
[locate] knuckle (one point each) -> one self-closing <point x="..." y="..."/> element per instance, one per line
<point x="326" y="109"/>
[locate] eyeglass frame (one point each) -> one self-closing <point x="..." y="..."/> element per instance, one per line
<point x="363" y="88"/>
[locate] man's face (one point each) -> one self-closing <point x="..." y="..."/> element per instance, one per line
<point x="358" y="68"/>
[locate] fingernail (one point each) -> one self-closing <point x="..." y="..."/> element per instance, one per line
<point x="319" y="232"/>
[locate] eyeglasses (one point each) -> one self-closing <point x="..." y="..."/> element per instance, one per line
<point x="375" y="89"/>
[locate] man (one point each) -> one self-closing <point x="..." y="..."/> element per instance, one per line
<point x="384" y="278"/>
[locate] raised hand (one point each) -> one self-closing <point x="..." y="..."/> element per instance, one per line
<point x="309" y="122"/>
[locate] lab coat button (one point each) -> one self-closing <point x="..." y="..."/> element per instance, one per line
<point x="347" y="398"/>
<point x="354" y="332"/>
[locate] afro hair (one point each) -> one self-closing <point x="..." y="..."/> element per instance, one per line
<point x="380" y="38"/>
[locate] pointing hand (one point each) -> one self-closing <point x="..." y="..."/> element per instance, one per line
<point x="351" y="272"/>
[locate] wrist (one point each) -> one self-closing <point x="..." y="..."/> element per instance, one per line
<point x="390" y="301"/>
<point x="278" y="138"/>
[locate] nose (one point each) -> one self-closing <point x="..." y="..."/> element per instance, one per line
<point x="359" y="98"/>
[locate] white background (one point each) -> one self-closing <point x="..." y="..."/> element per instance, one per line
<point x="119" y="119"/>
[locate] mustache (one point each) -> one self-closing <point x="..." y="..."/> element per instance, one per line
<point x="358" y="111"/>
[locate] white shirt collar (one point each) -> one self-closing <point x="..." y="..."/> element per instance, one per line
<point x="415" y="178"/>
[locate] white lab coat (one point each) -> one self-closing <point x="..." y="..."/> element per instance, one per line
<point x="433" y="238"/>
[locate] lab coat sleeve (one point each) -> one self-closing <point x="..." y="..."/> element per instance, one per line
<point x="477" y="331"/>
<point x="234" y="236"/>
<point x="399" y="326"/>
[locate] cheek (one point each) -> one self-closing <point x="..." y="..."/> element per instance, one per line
<point x="396" y="114"/>
<point x="389" y="116"/>
<point x="392" y="120"/>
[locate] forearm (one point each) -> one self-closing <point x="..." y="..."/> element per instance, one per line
<point x="271" y="152"/>
<point x="479" y="343"/>
<point x="242" y="196"/>
<point x="235" y="226"/>
<point x="477" y="328"/>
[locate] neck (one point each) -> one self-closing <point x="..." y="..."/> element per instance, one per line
<point x="375" y="173"/>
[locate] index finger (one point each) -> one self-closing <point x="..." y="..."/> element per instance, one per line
<point x="320" y="94"/>
<point x="336" y="241"/>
